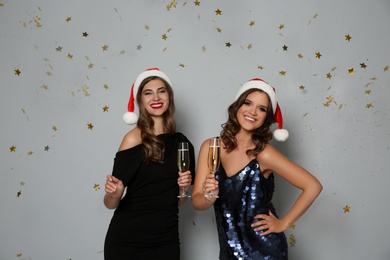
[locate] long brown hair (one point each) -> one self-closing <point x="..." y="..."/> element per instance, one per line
<point x="153" y="147"/>
<point x="260" y="136"/>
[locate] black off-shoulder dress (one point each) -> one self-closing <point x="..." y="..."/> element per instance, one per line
<point x="145" y="224"/>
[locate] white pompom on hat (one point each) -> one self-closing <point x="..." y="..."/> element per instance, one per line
<point x="280" y="134"/>
<point x="130" y="117"/>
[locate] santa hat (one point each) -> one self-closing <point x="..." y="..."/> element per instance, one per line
<point x="130" y="117"/>
<point x="280" y="134"/>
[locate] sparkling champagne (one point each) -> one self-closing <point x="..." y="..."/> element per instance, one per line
<point x="183" y="159"/>
<point x="213" y="158"/>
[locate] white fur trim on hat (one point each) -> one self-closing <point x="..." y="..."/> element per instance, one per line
<point x="130" y="117"/>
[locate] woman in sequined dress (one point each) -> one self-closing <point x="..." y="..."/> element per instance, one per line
<point x="248" y="225"/>
<point x="144" y="185"/>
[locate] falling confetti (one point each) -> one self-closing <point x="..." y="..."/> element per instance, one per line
<point x="348" y="37"/>
<point x="228" y="44"/>
<point x="318" y="55"/>
<point x="300" y="55"/>
<point x="197" y="3"/>
<point x="218" y="12"/>
<point x="252" y="23"/>
<point x="369" y="105"/>
<point x="105" y="47"/>
<point x="281" y="26"/>
<point x="363" y="66"/>
<point x="59" y="48"/>
<point x="346" y="208"/>
<point x="85" y="34"/>
<point x="46" y="149"/>
<point x="96" y="186"/>
<point x="282" y="73"/>
<point x="285" y="47"/>
<point x="17" y="72"/>
<point x="328" y="75"/>
<point x="292" y="240"/>
<point x="351" y="71"/>
<point x="68" y="19"/>
<point x="90" y="126"/>
<point x="19" y="193"/>
<point x="12" y="149"/>
<point x="105" y="109"/>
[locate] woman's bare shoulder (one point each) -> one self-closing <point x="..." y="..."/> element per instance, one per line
<point x="131" y="139"/>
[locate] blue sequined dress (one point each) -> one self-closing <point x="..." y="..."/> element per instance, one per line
<point x="241" y="197"/>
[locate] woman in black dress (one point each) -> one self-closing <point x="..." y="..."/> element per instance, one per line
<point x="145" y="221"/>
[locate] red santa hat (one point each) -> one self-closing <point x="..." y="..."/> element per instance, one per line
<point x="280" y="134"/>
<point x="130" y="117"/>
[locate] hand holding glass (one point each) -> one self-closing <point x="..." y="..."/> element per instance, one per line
<point x="213" y="160"/>
<point x="183" y="163"/>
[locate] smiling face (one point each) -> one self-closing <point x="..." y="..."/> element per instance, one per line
<point x="155" y="98"/>
<point x="253" y="112"/>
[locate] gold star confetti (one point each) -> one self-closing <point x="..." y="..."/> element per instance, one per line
<point x="19" y="193"/>
<point x="164" y="37"/>
<point x="12" y="149"/>
<point x="49" y="73"/>
<point x="21" y="183"/>
<point x="282" y="73"/>
<point x="386" y="68"/>
<point x="260" y="67"/>
<point x="328" y="101"/>
<point x="368" y="92"/>
<point x="219" y="30"/>
<point x="85" y="34"/>
<point x="193" y="223"/>
<point x="218" y="12"/>
<point x="348" y="37"/>
<point x="96" y="187"/>
<point x="139" y="47"/>
<point x="228" y="44"/>
<point x="318" y="55"/>
<point x="46" y="149"/>
<point x="252" y="23"/>
<point x="351" y="71"/>
<point x="45" y="87"/>
<point x="54" y="128"/>
<point x="17" y="72"/>
<point x="302" y="87"/>
<point x="90" y="66"/>
<point x="1" y="4"/>
<point x="203" y="48"/>
<point x="340" y="106"/>
<point x="281" y="26"/>
<point x="182" y="65"/>
<point x="59" y="48"/>
<point x="363" y="66"/>
<point x="146" y="27"/>
<point x="249" y="46"/>
<point x="30" y="153"/>
<point x="68" y="19"/>
<point x="19" y="255"/>
<point x="285" y="47"/>
<point x="90" y="126"/>
<point x="197" y="3"/>
<point x="346" y="208"/>
<point x="105" y="109"/>
<point x="292" y="226"/>
<point x="292" y="240"/>
<point x="69" y="56"/>
<point x="369" y="105"/>
<point x="328" y="75"/>
<point x="105" y="86"/>
<point x="85" y="90"/>
<point x="122" y="52"/>
<point x="105" y="47"/>
<point x="300" y="56"/>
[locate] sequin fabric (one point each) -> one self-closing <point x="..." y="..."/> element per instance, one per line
<point x="241" y="197"/>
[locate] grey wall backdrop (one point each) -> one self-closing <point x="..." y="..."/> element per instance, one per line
<point x="66" y="68"/>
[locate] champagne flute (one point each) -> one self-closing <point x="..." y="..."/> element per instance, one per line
<point x="213" y="160"/>
<point x="183" y="163"/>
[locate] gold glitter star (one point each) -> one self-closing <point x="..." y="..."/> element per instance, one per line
<point x="69" y="56"/>
<point x="386" y="68"/>
<point x="54" y="128"/>
<point x="19" y="255"/>
<point x="12" y="149"/>
<point x="252" y="23"/>
<point x="369" y="105"/>
<point x="30" y="153"/>
<point x="122" y="52"/>
<point x="139" y="47"/>
<point x="219" y="30"/>
<point x="292" y="226"/>
<point x="90" y="126"/>
<point x="21" y="183"/>
<point x="17" y="72"/>
<point x="302" y="87"/>
<point x="182" y="65"/>
<point x="328" y="75"/>
<point x="49" y="73"/>
<point x="197" y="3"/>
<point x="90" y="66"/>
<point x="228" y="44"/>
<point x="46" y="149"/>
<point x="351" y="71"/>
<point x="146" y="27"/>
<point x="292" y="241"/>
<point x="282" y="73"/>
<point x="105" y="86"/>
<point x="204" y="48"/>
<point x="368" y="92"/>
<point x="96" y="186"/>
<point x="348" y="37"/>
<point x="164" y="37"/>
<point x="19" y="193"/>
<point x="105" y="47"/>
<point x="363" y="66"/>
<point x="300" y="56"/>
<point x="346" y="208"/>
<point x="318" y="55"/>
<point x="249" y="46"/>
<point x="68" y="19"/>
<point x="218" y="12"/>
<point x="105" y="109"/>
<point x="1" y="4"/>
<point x="85" y="34"/>
<point x="260" y="67"/>
<point x="59" y="48"/>
<point x="281" y="26"/>
<point x="285" y="47"/>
